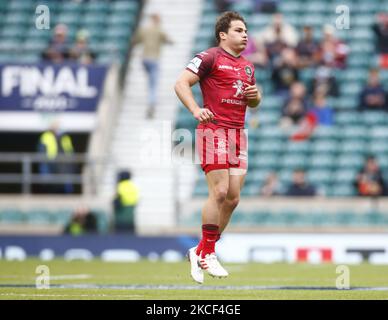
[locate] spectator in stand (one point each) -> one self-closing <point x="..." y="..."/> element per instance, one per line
<point x="55" y="146"/>
<point x="373" y="95"/>
<point x="81" y="52"/>
<point x="275" y="48"/>
<point x="271" y="186"/>
<point x="58" y="50"/>
<point x="324" y="81"/>
<point x="265" y="6"/>
<point x="307" y="49"/>
<point x="153" y="38"/>
<point x="369" y="181"/>
<point x="321" y="110"/>
<point x="125" y="202"/>
<point x="255" y="53"/>
<point x="285" y="72"/>
<point x="333" y="52"/>
<point x="380" y="29"/>
<point x="279" y="29"/>
<point x="295" y="107"/>
<point x="223" y="5"/>
<point x="83" y="221"/>
<point x="299" y="186"/>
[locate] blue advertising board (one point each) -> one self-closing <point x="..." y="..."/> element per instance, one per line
<point x="50" y="87"/>
<point x="95" y="245"/>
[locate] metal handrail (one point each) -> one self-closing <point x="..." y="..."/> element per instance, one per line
<point x="26" y="178"/>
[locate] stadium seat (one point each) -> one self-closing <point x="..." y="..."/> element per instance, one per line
<point x="200" y="190"/>
<point x="382" y="160"/>
<point x="314" y="7"/>
<point x="378" y="132"/>
<point x="294" y="161"/>
<point x="124" y="6"/>
<point x="345" y="176"/>
<point x="11" y="216"/>
<point x="13" y="32"/>
<point x="270" y="146"/>
<point x="290" y="6"/>
<point x="39" y="216"/>
<point x="357" y="132"/>
<point x="96" y="6"/>
<point x="351" y="88"/>
<point x="350" y="160"/>
<point x="364" y="20"/>
<point x="379" y="146"/>
<point x="326" y="146"/>
<point x="271" y="102"/>
<point x="319" y="176"/>
<point x="264" y="161"/>
<point x="346" y="103"/>
<point x="20" y="5"/>
<point x="244" y="7"/>
<point x="322" y="160"/>
<point x="269" y="118"/>
<point x="368" y="7"/>
<point x="347" y="117"/>
<point x="325" y="132"/>
<point x="251" y="190"/>
<point x="70" y="6"/>
<point x="342" y="190"/>
<point x="298" y="147"/>
<point x="315" y="20"/>
<point x="362" y="33"/>
<point x="353" y="146"/>
<point x="285" y="176"/>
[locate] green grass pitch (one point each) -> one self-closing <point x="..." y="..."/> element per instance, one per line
<point x="159" y="280"/>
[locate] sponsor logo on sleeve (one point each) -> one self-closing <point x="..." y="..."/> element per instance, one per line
<point x="194" y="64"/>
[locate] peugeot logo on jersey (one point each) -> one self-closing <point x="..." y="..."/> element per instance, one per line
<point x="238" y="85"/>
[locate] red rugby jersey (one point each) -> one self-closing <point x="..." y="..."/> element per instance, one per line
<point x="223" y="79"/>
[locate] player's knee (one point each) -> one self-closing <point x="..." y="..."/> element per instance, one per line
<point x="233" y="202"/>
<point x="220" y="193"/>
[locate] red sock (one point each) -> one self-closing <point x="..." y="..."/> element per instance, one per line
<point x="209" y="238"/>
<point x="200" y="244"/>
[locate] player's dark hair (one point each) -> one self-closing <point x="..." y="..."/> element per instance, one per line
<point x="224" y="21"/>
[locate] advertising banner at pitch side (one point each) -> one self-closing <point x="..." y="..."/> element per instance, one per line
<point x="50" y="87"/>
<point x="32" y="95"/>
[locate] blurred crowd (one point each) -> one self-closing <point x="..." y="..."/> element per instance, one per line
<point x="61" y="50"/>
<point x="280" y="49"/>
<point x="369" y="182"/>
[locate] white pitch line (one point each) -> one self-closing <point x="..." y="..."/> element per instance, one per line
<point x="190" y="287"/>
<point x="71" y="295"/>
<point x="71" y="277"/>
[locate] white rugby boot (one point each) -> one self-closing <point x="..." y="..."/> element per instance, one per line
<point x="196" y="270"/>
<point x="212" y="266"/>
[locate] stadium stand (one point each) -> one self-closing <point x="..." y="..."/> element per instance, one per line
<point x="331" y="157"/>
<point x="109" y="26"/>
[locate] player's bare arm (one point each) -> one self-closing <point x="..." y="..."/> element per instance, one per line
<point x="253" y="96"/>
<point x="183" y="90"/>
